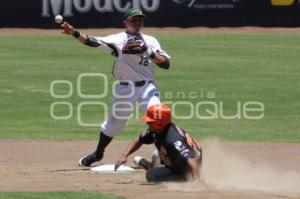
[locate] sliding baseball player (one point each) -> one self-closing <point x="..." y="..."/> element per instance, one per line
<point x="179" y="153"/>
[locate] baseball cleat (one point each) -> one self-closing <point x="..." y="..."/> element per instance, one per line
<point x="141" y="162"/>
<point x="89" y="159"/>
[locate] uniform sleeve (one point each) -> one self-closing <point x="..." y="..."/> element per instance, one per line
<point x="109" y="44"/>
<point x="146" y="137"/>
<point x="179" y="143"/>
<point x="157" y="49"/>
<point x="184" y="149"/>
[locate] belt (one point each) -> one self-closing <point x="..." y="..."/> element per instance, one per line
<point x="137" y="84"/>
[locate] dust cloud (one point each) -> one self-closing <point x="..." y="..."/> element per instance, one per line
<point x="227" y="171"/>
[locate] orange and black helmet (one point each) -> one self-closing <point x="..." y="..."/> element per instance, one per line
<point x="158" y="115"/>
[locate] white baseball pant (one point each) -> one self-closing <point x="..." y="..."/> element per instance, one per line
<point x="125" y="98"/>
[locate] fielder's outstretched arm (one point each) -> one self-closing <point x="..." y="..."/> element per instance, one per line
<point x="70" y="30"/>
<point x="131" y="148"/>
<point x="91" y="41"/>
<point x="88" y="40"/>
<point x="81" y="37"/>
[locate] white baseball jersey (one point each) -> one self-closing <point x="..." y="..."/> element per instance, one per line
<point x="133" y="67"/>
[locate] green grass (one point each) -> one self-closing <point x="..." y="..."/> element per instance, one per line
<point x="58" y="195"/>
<point x="236" y="67"/>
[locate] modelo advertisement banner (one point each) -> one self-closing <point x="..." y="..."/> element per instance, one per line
<point x="160" y="13"/>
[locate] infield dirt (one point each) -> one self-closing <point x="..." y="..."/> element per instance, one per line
<point x="230" y="170"/>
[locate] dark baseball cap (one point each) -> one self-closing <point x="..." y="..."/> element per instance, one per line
<point x="134" y="12"/>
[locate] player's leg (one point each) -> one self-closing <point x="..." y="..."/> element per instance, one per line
<point x="158" y="174"/>
<point x="162" y="174"/>
<point x="142" y="162"/>
<point x="109" y="129"/>
<point x="149" y="97"/>
<point x="145" y="164"/>
<point x="120" y="111"/>
<point x="97" y="155"/>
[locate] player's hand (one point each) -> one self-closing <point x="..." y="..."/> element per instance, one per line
<point x="122" y="160"/>
<point x="67" y="28"/>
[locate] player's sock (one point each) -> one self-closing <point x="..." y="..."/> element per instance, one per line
<point x="104" y="141"/>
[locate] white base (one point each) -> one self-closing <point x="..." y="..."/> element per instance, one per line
<point x="110" y="168"/>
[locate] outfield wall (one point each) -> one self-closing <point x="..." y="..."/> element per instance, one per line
<point x="180" y="13"/>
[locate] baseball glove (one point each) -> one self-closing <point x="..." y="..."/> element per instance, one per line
<point x="134" y="46"/>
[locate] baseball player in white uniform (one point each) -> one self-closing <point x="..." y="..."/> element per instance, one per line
<point x="136" y="55"/>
